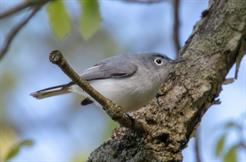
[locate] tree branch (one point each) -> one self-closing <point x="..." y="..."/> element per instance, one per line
<point x="144" y="1"/>
<point x="209" y="52"/>
<point x="113" y="110"/>
<point x="197" y="146"/>
<point x="16" y="29"/>
<point x="20" y="7"/>
<point x="13" y="32"/>
<point x="176" y="25"/>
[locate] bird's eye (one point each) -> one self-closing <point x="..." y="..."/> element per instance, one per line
<point x="158" y="61"/>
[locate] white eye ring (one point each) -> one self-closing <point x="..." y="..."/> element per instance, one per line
<point x="158" y="61"/>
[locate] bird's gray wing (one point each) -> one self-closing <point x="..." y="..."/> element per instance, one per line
<point x="107" y="69"/>
<point x="115" y="67"/>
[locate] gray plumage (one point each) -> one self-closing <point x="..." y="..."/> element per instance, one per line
<point x="115" y="67"/>
<point x="128" y="80"/>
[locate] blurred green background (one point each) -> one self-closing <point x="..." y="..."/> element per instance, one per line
<point x="58" y="129"/>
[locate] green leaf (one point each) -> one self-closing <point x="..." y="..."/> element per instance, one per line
<point x="15" y="149"/>
<point x="231" y="155"/>
<point x="89" y="18"/>
<point x="58" y="18"/>
<point x="220" y="145"/>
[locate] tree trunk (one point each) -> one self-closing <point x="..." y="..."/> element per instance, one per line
<point x="218" y="38"/>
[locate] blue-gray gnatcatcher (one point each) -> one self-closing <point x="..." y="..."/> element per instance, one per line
<point x="130" y="81"/>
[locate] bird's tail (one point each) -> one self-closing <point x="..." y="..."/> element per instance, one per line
<point x="52" y="91"/>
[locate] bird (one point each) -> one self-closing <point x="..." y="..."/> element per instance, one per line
<point x="129" y="80"/>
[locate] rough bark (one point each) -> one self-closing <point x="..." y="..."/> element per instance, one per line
<point x="209" y="53"/>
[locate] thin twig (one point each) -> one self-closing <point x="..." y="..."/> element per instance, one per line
<point x="197" y="146"/>
<point x="240" y="57"/>
<point x="21" y="7"/>
<point x="36" y="5"/>
<point x="113" y="110"/>
<point x="243" y="145"/>
<point x="144" y="1"/>
<point x="176" y="25"/>
<point x="13" y="32"/>
<point x="240" y="130"/>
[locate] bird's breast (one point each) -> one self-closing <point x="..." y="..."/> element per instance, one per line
<point x="126" y="92"/>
